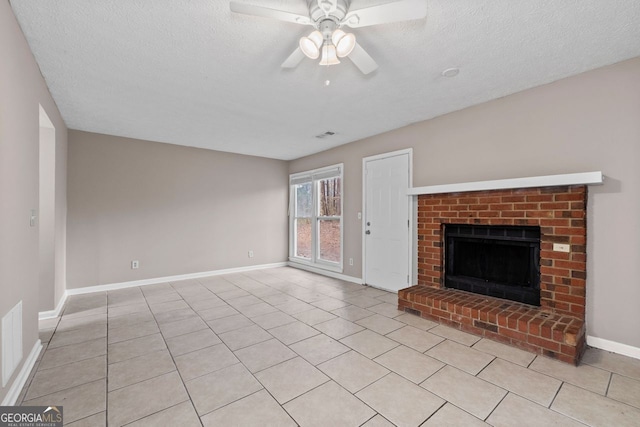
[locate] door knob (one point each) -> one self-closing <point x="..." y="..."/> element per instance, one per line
<point x="367" y="232"/>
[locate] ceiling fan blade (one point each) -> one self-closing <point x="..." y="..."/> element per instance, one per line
<point x="249" y="9"/>
<point x="362" y="60"/>
<point x="294" y="59"/>
<point x="403" y="10"/>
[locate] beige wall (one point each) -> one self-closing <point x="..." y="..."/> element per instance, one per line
<point x="584" y="123"/>
<point x="177" y="210"/>
<point x="22" y="89"/>
<point x="182" y="210"/>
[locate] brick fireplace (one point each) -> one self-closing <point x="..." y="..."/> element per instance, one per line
<point x="555" y="328"/>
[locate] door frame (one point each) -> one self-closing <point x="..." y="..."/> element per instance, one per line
<point x="410" y="230"/>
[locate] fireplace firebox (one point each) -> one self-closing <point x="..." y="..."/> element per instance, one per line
<point x="498" y="261"/>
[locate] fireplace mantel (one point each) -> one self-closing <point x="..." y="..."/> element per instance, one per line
<point x="583" y="178"/>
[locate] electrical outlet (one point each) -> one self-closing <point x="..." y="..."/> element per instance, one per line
<point x="350" y="261"/>
<point x="135" y="264"/>
<point x="250" y="254"/>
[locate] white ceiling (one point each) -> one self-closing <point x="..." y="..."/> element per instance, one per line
<point x="190" y="72"/>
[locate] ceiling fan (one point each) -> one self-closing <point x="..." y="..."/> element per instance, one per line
<point x="329" y="41"/>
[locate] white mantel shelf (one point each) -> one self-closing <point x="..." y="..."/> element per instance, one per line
<point x="584" y="178"/>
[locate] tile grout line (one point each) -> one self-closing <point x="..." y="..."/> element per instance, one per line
<point x="388" y="373"/>
<point x="310" y="287"/>
<point x="495" y="407"/>
<point x="485" y="367"/>
<point x="232" y="352"/>
<point x="184" y="385"/>
<point x="606" y="392"/>
<point x="253" y="373"/>
<point x="147" y="416"/>
<point x="557" y="412"/>
<point x="157" y="351"/>
<point x="320" y="385"/>
<point x="36" y="367"/>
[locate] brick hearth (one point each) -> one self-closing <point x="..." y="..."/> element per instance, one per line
<point x="556" y="328"/>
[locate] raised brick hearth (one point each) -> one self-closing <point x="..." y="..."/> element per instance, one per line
<point x="556" y="328"/>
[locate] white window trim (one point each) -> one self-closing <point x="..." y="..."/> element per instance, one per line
<point x="313" y="176"/>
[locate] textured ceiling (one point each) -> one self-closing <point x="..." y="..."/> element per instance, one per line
<point x="190" y="72"/>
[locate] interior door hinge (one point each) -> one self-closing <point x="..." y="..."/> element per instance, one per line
<point x="408" y="223"/>
<point x="407" y="279"/>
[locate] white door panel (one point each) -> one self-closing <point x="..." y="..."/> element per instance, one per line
<point x="386" y="220"/>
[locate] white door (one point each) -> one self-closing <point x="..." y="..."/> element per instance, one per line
<point x="386" y="221"/>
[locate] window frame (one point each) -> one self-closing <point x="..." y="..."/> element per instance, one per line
<point x="314" y="177"/>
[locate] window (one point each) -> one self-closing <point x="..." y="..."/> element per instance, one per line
<point x="316" y="218"/>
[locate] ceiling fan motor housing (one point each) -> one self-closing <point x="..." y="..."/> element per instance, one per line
<point x="317" y="14"/>
<point x="327" y="27"/>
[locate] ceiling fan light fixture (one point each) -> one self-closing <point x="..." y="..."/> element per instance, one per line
<point x="317" y="38"/>
<point x="337" y="35"/>
<point x="329" y="56"/>
<point x="309" y="48"/>
<point x="311" y="44"/>
<point x="344" y="43"/>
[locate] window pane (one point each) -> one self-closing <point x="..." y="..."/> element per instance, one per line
<point x="329" y="197"/>
<point x="329" y="239"/>
<point x="303" y="200"/>
<point x="303" y="237"/>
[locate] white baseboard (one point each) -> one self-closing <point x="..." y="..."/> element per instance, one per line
<point x="156" y="280"/>
<point x="14" y="391"/>
<point x="615" y="347"/>
<point x="327" y="273"/>
<point x="57" y="311"/>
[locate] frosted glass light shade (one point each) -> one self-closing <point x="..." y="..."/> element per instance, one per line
<point x="310" y="45"/>
<point x="337" y="35"/>
<point x="309" y="48"/>
<point x="329" y="56"/>
<point x="345" y="45"/>
<point x="344" y="42"/>
<point x="317" y="38"/>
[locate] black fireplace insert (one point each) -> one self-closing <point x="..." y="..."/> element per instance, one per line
<point x="498" y="261"/>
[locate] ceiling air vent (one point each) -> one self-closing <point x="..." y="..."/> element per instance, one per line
<point x="325" y="135"/>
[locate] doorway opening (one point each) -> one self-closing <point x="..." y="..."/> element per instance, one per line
<point x="46" y="212"/>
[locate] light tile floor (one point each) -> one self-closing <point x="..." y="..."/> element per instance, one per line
<point x="285" y="347"/>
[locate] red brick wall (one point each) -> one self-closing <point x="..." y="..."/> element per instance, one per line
<point x="559" y="211"/>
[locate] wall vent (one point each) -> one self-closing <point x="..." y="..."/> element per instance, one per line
<point x="11" y="342"/>
<point x="326" y="134"/>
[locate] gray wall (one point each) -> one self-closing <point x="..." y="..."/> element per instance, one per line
<point x="584" y="123"/>
<point x="176" y="209"/>
<point x="22" y="89"/>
